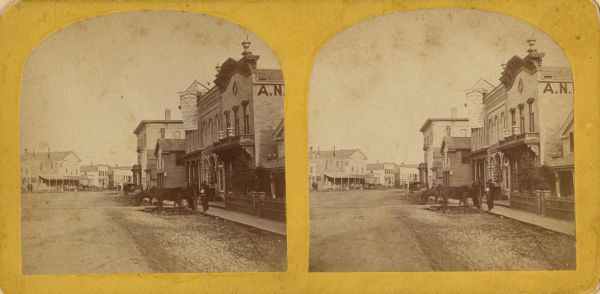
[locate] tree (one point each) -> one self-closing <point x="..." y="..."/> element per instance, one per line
<point x="531" y="175"/>
<point x="245" y="179"/>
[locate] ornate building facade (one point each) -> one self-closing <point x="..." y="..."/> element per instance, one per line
<point x="526" y="117"/>
<point x="240" y="128"/>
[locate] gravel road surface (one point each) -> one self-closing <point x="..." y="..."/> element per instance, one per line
<point x="91" y="232"/>
<point x="377" y="231"/>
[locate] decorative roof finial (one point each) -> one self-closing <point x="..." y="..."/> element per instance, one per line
<point x="246" y="46"/>
<point x="531" y="41"/>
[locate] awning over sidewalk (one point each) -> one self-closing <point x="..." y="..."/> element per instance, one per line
<point x="63" y="178"/>
<point x="347" y="176"/>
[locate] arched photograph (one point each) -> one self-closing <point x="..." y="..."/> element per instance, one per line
<point x="441" y="140"/>
<point x="152" y="142"/>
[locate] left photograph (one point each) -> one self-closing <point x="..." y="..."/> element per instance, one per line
<point x="152" y="142"/>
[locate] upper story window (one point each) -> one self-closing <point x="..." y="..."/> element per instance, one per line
<point x="227" y="122"/>
<point x="246" y="117"/>
<point x="531" y="115"/>
<point x="236" y="121"/>
<point x="521" y="118"/>
<point x="512" y="116"/>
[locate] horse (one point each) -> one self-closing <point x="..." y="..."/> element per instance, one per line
<point x="183" y="197"/>
<point x="460" y="193"/>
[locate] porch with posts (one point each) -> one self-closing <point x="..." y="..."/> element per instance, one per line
<point x="341" y="182"/>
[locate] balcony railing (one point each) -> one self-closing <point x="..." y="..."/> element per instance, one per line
<point x="234" y="141"/>
<point x="518" y="137"/>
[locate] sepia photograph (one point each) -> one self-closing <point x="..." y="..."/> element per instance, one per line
<point x="152" y="142"/>
<point x="441" y="140"/>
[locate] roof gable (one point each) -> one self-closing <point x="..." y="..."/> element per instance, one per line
<point x="195" y="86"/>
<point x="54" y="155"/>
<point x="482" y="84"/>
<point x="516" y="64"/>
<point x="228" y="69"/>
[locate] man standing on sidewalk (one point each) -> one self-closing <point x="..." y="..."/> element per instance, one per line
<point x="204" y="196"/>
<point x="489" y="197"/>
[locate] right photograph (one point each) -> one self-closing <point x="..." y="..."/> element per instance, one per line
<point x="441" y="140"/>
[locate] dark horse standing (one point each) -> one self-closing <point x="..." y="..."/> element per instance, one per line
<point x="183" y="197"/>
<point x="460" y="193"/>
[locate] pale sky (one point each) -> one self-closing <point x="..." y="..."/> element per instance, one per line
<point x="374" y="84"/>
<point x="86" y="87"/>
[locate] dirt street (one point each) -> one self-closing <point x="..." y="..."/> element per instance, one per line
<point x="91" y="232"/>
<point x="377" y="231"/>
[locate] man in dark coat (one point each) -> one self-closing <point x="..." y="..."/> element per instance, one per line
<point x="204" y="195"/>
<point x="489" y="196"/>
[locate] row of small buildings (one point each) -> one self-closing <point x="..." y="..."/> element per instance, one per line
<point x="527" y="116"/>
<point x="348" y="169"/>
<point x="62" y="170"/>
<point x="231" y="137"/>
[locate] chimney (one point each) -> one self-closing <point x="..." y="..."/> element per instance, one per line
<point x="333" y="150"/>
<point x="162" y="133"/>
<point x="453" y="112"/>
<point x="167" y="114"/>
